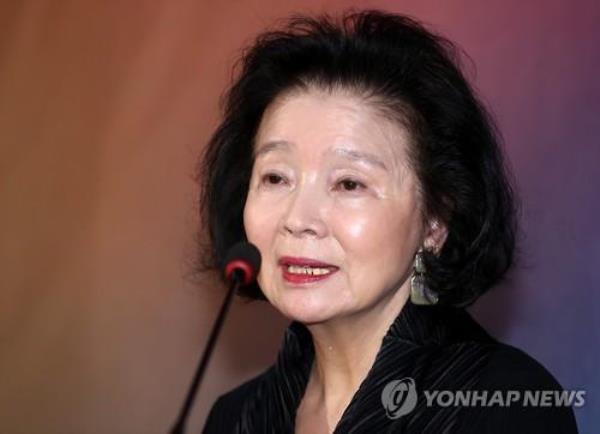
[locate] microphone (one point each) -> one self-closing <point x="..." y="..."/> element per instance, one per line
<point x="242" y="261"/>
<point x="241" y="265"/>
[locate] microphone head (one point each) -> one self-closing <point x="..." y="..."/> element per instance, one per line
<point x="244" y="257"/>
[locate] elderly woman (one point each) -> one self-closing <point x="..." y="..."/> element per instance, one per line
<point x="356" y="157"/>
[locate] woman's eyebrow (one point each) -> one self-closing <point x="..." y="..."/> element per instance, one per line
<point x="272" y="145"/>
<point x="366" y="157"/>
<point x="351" y="154"/>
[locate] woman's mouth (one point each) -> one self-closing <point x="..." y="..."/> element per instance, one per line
<point x="305" y="270"/>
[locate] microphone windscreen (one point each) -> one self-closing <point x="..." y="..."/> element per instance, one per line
<point x="243" y="256"/>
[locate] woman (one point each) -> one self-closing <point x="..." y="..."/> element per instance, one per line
<point x="358" y="160"/>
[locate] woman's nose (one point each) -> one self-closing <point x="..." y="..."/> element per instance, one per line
<point x="304" y="213"/>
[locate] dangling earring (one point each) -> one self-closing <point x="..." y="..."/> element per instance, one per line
<point x="419" y="292"/>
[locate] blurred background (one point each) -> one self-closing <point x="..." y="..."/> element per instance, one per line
<point x="104" y="109"/>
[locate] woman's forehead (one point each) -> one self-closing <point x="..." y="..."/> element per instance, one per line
<point x="335" y="124"/>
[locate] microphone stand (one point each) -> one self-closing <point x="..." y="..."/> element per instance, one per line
<point x="179" y="427"/>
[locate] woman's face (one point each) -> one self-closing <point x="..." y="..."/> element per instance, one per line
<point x="331" y="186"/>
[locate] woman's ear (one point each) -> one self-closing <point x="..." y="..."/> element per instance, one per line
<point x="435" y="236"/>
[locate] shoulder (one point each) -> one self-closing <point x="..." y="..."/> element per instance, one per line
<point x="223" y="414"/>
<point x="511" y="367"/>
<point x="521" y="396"/>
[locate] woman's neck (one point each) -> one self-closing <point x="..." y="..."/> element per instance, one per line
<point x="345" y="350"/>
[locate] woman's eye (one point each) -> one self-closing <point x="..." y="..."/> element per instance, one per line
<point x="351" y="185"/>
<point x="272" y="179"/>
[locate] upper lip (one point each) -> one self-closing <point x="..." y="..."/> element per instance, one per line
<point x="301" y="261"/>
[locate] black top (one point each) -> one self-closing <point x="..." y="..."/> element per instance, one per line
<point x="439" y="349"/>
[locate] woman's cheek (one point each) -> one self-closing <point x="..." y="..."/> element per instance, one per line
<point x="251" y="221"/>
<point x="354" y="225"/>
<point x="261" y="215"/>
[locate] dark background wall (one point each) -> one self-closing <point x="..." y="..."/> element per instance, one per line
<point x="104" y="107"/>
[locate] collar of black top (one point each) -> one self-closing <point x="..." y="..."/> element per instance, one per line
<point x="435" y="346"/>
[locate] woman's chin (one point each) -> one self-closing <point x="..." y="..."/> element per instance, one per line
<point x="306" y="309"/>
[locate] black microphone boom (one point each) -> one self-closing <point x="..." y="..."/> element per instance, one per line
<point x="241" y="266"/>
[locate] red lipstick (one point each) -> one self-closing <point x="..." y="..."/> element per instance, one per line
<point x="299" y="278"/>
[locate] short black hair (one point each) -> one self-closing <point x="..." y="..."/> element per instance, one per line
<point x="415" y="74"/>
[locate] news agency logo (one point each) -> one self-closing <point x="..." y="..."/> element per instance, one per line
<point x="399" y="397"/>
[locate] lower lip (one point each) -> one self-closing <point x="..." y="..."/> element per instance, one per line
<point x="304" y="278"/>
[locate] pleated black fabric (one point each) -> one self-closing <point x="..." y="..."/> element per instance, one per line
<point x="443" y="349"/>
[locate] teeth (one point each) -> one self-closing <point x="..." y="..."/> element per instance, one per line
<point x="308" y="270"/>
